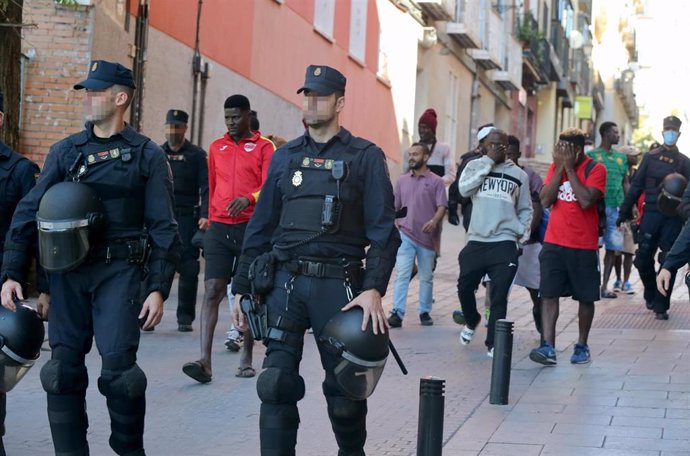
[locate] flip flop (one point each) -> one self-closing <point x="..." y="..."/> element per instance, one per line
<point x="245" y="372"/>
<point x="608" y="295"/>
<point x="196" y="371"/>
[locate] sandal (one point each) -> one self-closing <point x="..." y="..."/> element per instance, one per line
<point x="245" y="372"/>
<point x="196" y="371"/>
<point x="608" y="294"/>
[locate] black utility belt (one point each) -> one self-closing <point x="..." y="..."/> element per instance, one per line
<point x="322" y="268"/>
<point x="135" y="251"/>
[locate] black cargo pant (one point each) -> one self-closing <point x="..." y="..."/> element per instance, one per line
<point x="497" y="259"/>
<point x="656" y="232"/>
<point x="304" y="302"/>
<point x="100" y="300"/>
<point x="188" y="266"/>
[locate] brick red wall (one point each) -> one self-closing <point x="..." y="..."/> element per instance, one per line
<point x="51" y="109"/>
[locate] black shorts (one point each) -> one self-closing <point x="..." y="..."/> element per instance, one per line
<point x="222" y="248"/>
<point x="569" y="272"/>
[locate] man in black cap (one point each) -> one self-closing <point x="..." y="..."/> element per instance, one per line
<point x="17" y="177"/>
<point x="327" y="197"/>
<point x="98" y="295"/>
<point x="659" y="226"/>
<point x="190" y="176"/>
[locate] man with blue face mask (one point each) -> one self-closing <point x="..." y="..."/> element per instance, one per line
<point x="661" y="219"/>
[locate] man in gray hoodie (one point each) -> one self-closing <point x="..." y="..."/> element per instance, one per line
<point x="501" y="218"/>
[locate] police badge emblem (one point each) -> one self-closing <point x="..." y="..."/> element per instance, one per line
<point x="297" y="178"/>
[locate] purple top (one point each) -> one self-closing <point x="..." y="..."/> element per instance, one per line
<point x="422" y="195"/>
<point x="535" y="182"/>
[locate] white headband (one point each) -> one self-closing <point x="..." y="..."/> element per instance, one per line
<point x="484" y="132"/>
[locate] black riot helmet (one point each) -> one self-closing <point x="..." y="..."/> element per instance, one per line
<point x="68" y="214"/>
<point x="21" y="337"/>
<point x="670" y="193"/>
<point x="362" y="354"/>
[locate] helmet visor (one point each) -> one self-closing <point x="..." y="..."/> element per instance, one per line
<point x="62" y="246"/>
<point x="668" y="203"/>
<point x="11" y="372"/>
<point x="357" y="378"/>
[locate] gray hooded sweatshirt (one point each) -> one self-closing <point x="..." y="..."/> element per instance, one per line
<point x="501" y="202"/>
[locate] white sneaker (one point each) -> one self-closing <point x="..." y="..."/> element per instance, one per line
<point x="490" y="353"/>
<point x="466" y="335"/>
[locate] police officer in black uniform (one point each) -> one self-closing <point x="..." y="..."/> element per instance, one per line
<point x="17" y="176"/>
<point x="190" y="177"/>
<point x="658" y="229"/>
<point x="327" y="197"/>
<point x="128" y="176"/>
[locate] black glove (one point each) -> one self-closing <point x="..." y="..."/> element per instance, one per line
<point x="240" y="281"/>
<point x="453" y="218"/>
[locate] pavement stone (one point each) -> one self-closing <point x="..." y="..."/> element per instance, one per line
<point x="635" y="391"/>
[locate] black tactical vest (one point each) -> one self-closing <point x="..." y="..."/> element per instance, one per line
<point x="662" y="162"/>
<point x="116" y="171"/>
<point x="322" y="195"/>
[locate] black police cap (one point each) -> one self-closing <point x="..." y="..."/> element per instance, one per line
<point x="323" y="80"/>
<point x="104" y="74"/>
<point x="672" y="122"/>
<point x="176" y="117"/>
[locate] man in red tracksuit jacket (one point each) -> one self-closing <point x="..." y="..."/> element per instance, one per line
<point x="237" y="168"/>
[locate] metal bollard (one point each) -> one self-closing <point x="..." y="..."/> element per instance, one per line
<point x="430" y="426"/>
<point x="500" y="370"/>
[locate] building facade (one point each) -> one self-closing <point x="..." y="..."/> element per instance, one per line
<point x="532" y="67"/>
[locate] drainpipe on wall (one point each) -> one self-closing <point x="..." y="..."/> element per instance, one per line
<point x="205" y="75"/>
<point x="141" y="44"/>
<point x="196" y="73"/>
<point x="473" y="111"/>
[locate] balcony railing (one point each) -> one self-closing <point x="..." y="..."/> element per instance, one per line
<point x="580" y="71"/>
<point x="489" y="57"/>
<point x="510" y="78"/>
<point x="464" y="28"/>
<point x="533" y="51"/>
<point x="560" y="44"/>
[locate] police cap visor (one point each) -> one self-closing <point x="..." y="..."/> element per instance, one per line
<point x="103" y="74"/>
<point x="323" y="80"/>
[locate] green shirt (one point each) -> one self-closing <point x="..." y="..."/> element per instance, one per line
<point x="616" y="165"/>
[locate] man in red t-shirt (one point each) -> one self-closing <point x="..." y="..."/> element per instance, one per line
<point x="569" y="263"/>
<point x="237" y="168"/>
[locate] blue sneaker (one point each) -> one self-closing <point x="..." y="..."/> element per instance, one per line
<point x="581" y="354"/>
<point x="545" y="355"/>
<point x="617" y="286"/>
<point x="627" y="288"/>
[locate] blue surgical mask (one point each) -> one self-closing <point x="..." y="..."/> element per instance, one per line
<point x="670" y="137"/>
